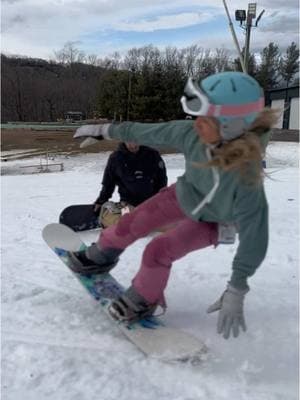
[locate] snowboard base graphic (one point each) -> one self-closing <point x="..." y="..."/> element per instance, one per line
<point x="150" y="335"/>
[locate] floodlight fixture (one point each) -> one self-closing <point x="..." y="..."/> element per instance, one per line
<point x="252" y="10"/>
<point x="240" y="15"/>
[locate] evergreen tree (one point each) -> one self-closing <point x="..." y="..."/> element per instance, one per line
<point x="113" y="95"/>
<point x="289" y="63"/>
<point x="268" y="71"/>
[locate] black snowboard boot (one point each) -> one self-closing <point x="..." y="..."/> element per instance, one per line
<point x="131" y="307"/>
<point x="93" y="260"/>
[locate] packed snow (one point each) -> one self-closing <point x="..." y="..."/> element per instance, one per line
<point x="58" y="345"/>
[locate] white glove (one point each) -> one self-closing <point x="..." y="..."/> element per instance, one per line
<point x="231" y="314"/>
<point x="92" y="134"/>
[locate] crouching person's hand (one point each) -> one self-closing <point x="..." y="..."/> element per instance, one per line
<point x="231" y="311"/>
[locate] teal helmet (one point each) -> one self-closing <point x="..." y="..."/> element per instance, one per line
<point x="234" y="98"/>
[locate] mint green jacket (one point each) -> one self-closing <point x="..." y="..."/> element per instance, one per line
<point x="233" y="201"/>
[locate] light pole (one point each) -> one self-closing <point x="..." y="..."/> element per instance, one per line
<point x="129" y="95"/>
<point x="234" y="37"/>
<point x="246" y="23"/>
<point x="250" y="15"/>
<point x="131" y="72"/>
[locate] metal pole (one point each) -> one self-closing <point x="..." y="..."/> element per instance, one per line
<point x="247" y="41"/>
<point x="235" y="38"/>
<point x="129" y="96"/>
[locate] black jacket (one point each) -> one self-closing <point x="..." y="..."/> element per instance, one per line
<point x="138" y="175"/>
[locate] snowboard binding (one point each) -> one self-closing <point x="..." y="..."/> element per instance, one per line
<point x="131" y="307"/>
<point x="93" y="260"/>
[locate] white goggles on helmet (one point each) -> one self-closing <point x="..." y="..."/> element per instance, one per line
<point x="194" y="102"/>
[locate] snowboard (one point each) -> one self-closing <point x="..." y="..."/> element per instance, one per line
<point x="80" y="217"/>
<point x="150" y="335"/>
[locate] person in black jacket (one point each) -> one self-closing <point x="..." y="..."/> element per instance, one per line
<point x="139" y="172"/>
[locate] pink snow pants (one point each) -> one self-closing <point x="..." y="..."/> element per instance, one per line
<point x="185" y="236"/>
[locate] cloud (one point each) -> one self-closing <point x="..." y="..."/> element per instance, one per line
<point x="279" y="22"/>
<point x="14" y="21"/>
<point x="40" y="27"/>
<point x="280" y="4"/>
<point x="174" y="21"/>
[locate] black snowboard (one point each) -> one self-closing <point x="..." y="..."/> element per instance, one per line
<point x="80" y="217"/>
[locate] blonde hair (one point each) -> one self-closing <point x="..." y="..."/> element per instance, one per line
<point x="245" y="154"/>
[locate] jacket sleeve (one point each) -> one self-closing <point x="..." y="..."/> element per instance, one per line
<point x="161" y="179"/>
<point x="251" y="216"/>
<point x="108" y="182"/>
<point x="158" y="135"/>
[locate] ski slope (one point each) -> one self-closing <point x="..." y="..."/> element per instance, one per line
<point x="57" y="345"/>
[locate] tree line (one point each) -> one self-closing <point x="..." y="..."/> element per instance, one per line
<point x="145" y="84"/>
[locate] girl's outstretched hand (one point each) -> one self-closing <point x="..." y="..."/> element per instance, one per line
<point x="92" y="133"/>
<point x="231" y="311"/>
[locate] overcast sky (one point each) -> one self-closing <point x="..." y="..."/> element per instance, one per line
<point x="37" y="28"/>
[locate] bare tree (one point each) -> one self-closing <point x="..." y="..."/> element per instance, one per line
<point x="222" y="59"/>
<point x="69" y="54"/>
<point x="190" y="57"/>
<point x="92" y="59"/>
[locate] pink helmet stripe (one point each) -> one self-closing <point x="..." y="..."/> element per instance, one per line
<point x="236" y="109"/>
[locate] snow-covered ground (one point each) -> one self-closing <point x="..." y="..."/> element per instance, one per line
<point x="57" y="345"/>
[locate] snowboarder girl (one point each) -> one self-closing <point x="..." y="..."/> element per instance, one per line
<point x="222" y="187"/>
